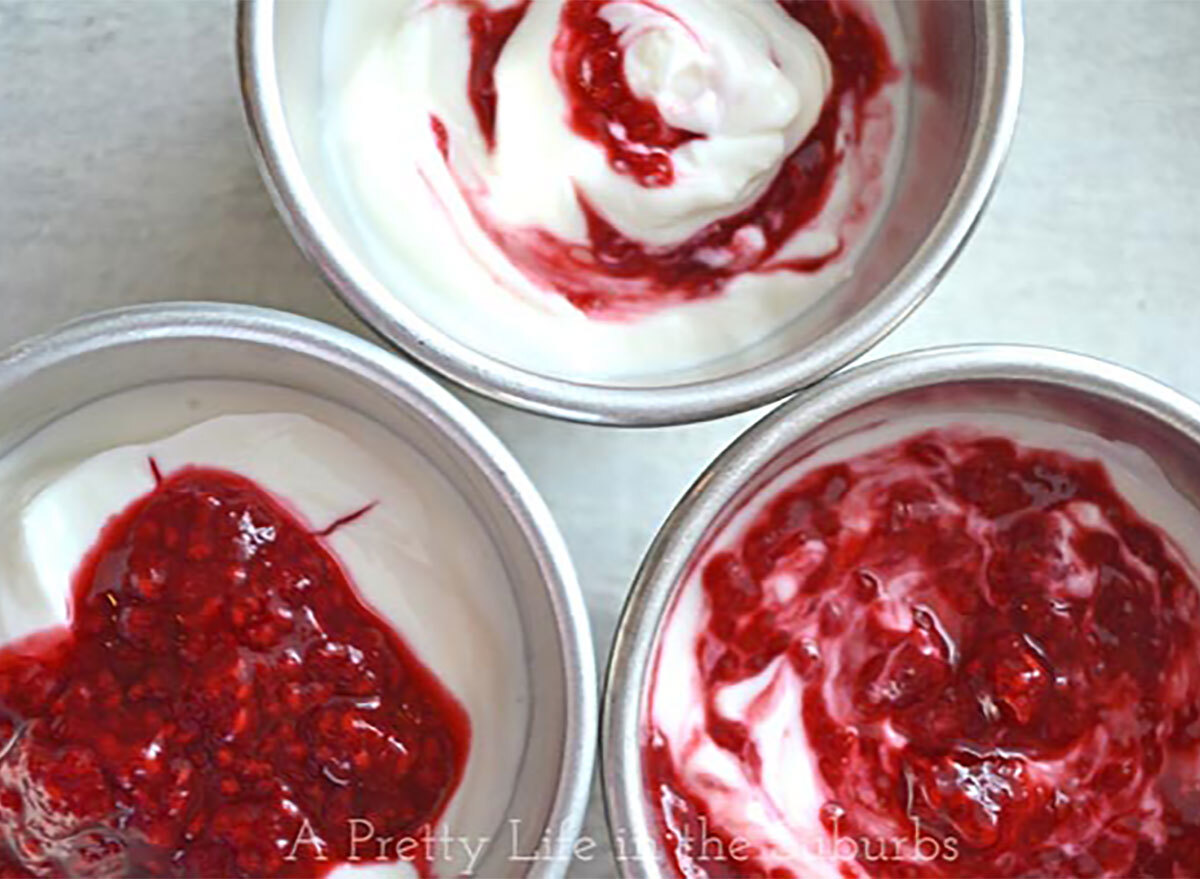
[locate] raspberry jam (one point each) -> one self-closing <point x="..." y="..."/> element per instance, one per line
<point x="220" y="684"/>
<point x="603" y="107"/>
<point x="614" y="275"/>
<point x="489" y="30"/>
<point x="993" y="652"/>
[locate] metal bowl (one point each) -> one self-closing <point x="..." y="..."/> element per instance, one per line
<point x="966" y="60"/>
<point x="52" y="375"/>
<point x="1102" y="400"/>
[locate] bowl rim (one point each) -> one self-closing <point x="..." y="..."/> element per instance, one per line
<point x="998" y="96"/>
<point x="444" y="415"/>
<point x="666" y="560"/>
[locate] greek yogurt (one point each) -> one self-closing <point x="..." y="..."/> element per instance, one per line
<point x="617" y="188"/>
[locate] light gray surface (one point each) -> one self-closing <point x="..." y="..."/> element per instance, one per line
<point x="125" y="177"/>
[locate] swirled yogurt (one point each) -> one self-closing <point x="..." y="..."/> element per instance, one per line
<point x="937" y="650"/>
<point x="617" y="187"/>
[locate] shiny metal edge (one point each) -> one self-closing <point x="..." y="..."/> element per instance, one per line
<point x="666" y="561"/>
<point x="626" y="406"/>
<point x="437" y="407"/>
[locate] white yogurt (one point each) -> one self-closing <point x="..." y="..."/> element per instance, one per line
<point x="744" y="75"/>
<point x="781" y="815"/>
<point x="421" y="558"/>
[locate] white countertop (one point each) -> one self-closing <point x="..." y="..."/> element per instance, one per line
<point x="125" y="177"/>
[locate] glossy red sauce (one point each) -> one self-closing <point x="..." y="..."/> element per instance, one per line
<point x="220" y="684"/>
<point x="1040" y="705"/>
<point x="614" y="276"/>
<point x="601" y="104"/>
<point x="489" y="30"/>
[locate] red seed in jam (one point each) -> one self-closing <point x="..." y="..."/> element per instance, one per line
<point x="220" y="684"/>
<point x="1036" y="703"/>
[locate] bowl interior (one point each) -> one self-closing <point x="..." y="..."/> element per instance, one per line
<point x="43" y="382"/>
<point x="953" y="60"/>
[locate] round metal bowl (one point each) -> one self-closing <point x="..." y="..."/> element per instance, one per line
<point x="1104" y="401"/>
<point x="966" y="60"/>
<point x="49" y="376"/>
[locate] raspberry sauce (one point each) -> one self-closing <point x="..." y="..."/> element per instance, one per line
<point x="603" y="107"/>
<point x="615" y="276"/>
<point x="220" y="685"/>
<point x="994" y="652"/>
<point x="489" y="30"/>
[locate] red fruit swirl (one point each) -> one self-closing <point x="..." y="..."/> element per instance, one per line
<point x="489" y="30"/>
<point x="220" y="684"/>
<point x="613" y="275"/>
<point x="602" y="106"/>
<point x="989" y="641"/>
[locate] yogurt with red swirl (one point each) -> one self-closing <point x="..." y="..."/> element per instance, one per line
<point x="937" y="650"/>
<point x="618" y="187"/>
